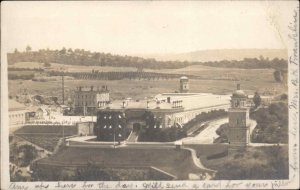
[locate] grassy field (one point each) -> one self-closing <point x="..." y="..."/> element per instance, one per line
<point x="216" y="80"/>
<point x="254" y="163"/>
<point x="46" y="137"/>
<point x="70" y="68"/>
<point x="247" y="155"/>
<point x="205" y="150"/>
<point x="175" y="162"/>
<point x="136" y="89"/>
<point x="38" y="129"/>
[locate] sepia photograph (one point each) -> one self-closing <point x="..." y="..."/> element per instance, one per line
<point x="149" y="95"/>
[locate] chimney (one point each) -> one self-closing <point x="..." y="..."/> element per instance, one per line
<point x="92" y="88"/>
<point x="238" y="86"/>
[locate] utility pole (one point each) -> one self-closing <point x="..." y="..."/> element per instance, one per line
<point x="63" y="89"/>
<point x="114" y="128"/>
<point x="63" y="131"/>
<point x="114" y="138"/>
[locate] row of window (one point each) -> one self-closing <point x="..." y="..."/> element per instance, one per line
<point x="16" y="115"/>
<point x="109" y="127"/>
<point x="109" y="117"/>
<point x="85" y="103"/>
<point x="86" y="96"/>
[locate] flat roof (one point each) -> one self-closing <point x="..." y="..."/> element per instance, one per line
<point x="14" y="105"/>
<point x="141" y="104"/>
<point x="188" y="101"/>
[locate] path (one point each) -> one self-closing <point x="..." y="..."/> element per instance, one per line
<point x="196" y="160"/>
<point x="132" y="137"/>
<point x="208" y="135"/>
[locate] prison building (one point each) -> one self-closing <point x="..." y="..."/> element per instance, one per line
<point x="110" y="126"/>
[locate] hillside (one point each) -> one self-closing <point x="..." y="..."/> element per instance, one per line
<point x="249" y="59"/>
<point x="164" y="159"/>
<point x="219" y="54"/>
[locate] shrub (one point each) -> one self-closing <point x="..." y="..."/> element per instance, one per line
<point x="272" y="124"/>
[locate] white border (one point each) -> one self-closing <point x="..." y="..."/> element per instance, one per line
<point x="293" y="182"/>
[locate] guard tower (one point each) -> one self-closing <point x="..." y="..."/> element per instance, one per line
<point x="238" y="136"/>
<point x="184" y="85"/>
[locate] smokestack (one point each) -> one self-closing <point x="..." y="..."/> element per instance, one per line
<point x="238" y="86"/>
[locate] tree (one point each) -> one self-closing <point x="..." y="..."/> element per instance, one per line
<point x="28" y="154"/>
<point x="16" y="50"/>
<point x="277" y="76"/>
<point x="257" y="99"/>
<point x="63" y="50"/>
<point x="28" y="49"/>
<point x="284" y="97"/>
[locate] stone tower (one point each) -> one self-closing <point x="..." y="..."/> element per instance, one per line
<point x="184" y="85"/>
<point x="238" y="114"/>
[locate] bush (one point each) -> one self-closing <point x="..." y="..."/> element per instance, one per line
<point x="272" y="124"/>
<point x="153" y="133"/>
<point x="26" y="153"/>
<point x="218" y="155"/>
<point x="222" y="131"/>
<point x="264" y="163"/>
<point x="205" y="116"/>
<point x="284" y="97"/>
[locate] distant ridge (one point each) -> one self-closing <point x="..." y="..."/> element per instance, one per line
<point x="219" y="54"/>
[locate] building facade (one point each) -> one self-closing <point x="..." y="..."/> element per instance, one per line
<point x="17" y="114"/>
<point x="88" y="99"/>
<point x="85" y="128"/>
<point x="238" y="114"/>
<point x="110" y="126"/>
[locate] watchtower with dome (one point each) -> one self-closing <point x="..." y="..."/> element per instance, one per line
<point x="238" y="119"/>
<point x="184" y="84"/>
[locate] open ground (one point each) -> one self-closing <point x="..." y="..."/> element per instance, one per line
<point x="216" y="80"/>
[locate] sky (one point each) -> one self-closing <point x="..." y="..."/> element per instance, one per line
<point x="145" y="27"/>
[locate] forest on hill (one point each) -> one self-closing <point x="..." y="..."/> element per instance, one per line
<point x="88" y="58"/>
